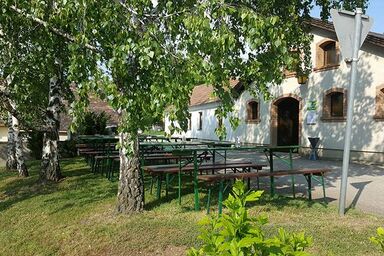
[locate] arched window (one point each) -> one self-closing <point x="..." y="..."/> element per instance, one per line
<point x="327" y="54"/>
<point x="335" y="105"/>
<point x="253" y="111"/>
<point x="379" y="111"/>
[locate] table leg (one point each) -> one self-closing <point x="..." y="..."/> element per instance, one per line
<point x="310" y="187"/>
<point x="158" y="193"/>
<point x="323" y="184"/>
<point x="271" y="170"/>
<point x="166" y="184"/>
<point x="179" y="188"/>
<point x="292" y="177"/>
<point x="195" y="182"/>
<point x="221" y="188"/>
<point x="209" y="199"/>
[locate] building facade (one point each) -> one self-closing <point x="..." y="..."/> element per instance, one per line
<point x="316" y="108"/>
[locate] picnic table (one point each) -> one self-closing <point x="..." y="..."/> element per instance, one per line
<point x="271" y="153"/>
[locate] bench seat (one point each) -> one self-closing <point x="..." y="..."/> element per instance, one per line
<point x="308" y="173"/>
<point x="202" y="167"/>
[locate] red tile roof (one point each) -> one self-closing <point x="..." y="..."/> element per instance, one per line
<point x="95" y="105"/>
<point x="203" y="94"/>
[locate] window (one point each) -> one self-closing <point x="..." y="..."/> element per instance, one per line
<point x="189" y="122"/>
<point x="253" y="111"/>
<point x="219" y="122"/>
<point x="327" y="55"/>
<point x="200" y="121"/>
<point x="335" y="105"/>
<point x="379" y="112"/>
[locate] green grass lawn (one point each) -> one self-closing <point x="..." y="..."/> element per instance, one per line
<point x="77" y="217"/>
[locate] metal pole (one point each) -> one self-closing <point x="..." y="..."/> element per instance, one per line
<point x="351" y="98"/>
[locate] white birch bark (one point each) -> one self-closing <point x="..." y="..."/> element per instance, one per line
<point x="21" y="166"/>
<point x="130" y="194"/>
<point x="50" y="167"/>
<point x="11" y="146"/>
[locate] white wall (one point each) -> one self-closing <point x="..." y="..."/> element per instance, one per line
<point x="368" y="134"/>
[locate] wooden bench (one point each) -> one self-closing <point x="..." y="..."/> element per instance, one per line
<point x="235" y="167"/>
<point x="169" y="157"/>
<point x="308" y="174"/>
<point x="161" y="170"/>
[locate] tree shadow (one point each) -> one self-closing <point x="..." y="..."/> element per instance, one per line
<point x="77" y="177"/>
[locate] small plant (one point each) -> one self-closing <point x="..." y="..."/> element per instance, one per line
<point x="379" y="239"/>
<point x="235" y="233"/>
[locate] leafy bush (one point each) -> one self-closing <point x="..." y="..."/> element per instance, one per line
<point x="379" y="239"/>
<point x="93" y="123"/>
<point x="235" y="233"/>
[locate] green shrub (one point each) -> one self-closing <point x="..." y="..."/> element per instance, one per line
<point x="379" y="239"/>
<point x="93" y="123"/>
<point x="235" y="233"/>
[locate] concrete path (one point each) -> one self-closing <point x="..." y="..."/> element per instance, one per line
<point x="365" y="183"/>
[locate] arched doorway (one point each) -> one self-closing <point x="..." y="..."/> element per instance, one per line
<point x="286" y="121"/>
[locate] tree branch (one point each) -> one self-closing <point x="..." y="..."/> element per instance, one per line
<point x="9" y="105"/>
<point x="52" y="29"/>
<point x="132" y="11"/>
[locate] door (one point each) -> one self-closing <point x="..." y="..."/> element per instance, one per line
<point x="288" y="122"/>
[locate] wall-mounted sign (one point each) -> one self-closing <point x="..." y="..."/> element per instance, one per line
<point x="312" y="117"/>
<point x="312" y="105"/>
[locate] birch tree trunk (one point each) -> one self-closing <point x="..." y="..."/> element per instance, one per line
<point x="130" y="194"/>
<point x="50" y="167"/>
<point x="21" y="166"/>
<point x="11" y="146"/>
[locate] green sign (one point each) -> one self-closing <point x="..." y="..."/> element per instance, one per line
<point x="312" y="105"/>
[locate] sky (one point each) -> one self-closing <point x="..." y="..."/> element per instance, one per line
<point x="375" y="10"/>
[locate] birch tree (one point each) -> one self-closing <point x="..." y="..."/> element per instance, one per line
<point x="37" y="61"/>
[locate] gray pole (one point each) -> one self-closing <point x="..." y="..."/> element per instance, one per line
<point x="351" y="98"/>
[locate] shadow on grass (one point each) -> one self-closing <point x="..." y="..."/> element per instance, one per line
<point x="279" y="201"/>
<point x="78" y="185"/>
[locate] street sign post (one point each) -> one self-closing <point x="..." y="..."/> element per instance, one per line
<point x="351" y="29"/>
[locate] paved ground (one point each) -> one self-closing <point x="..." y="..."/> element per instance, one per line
<point x="365" y="183"/>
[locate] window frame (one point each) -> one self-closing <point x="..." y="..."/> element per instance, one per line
<point x="189" y="127"/>
<point x="334" y="111"/>
<point x="379" y="103"/>
<point x="327" y="115"/>
<point x="219" y="122"/>
<point x="250" y="111"/>
<point x="321" y="56"/>
<point x="200" y="121"/>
